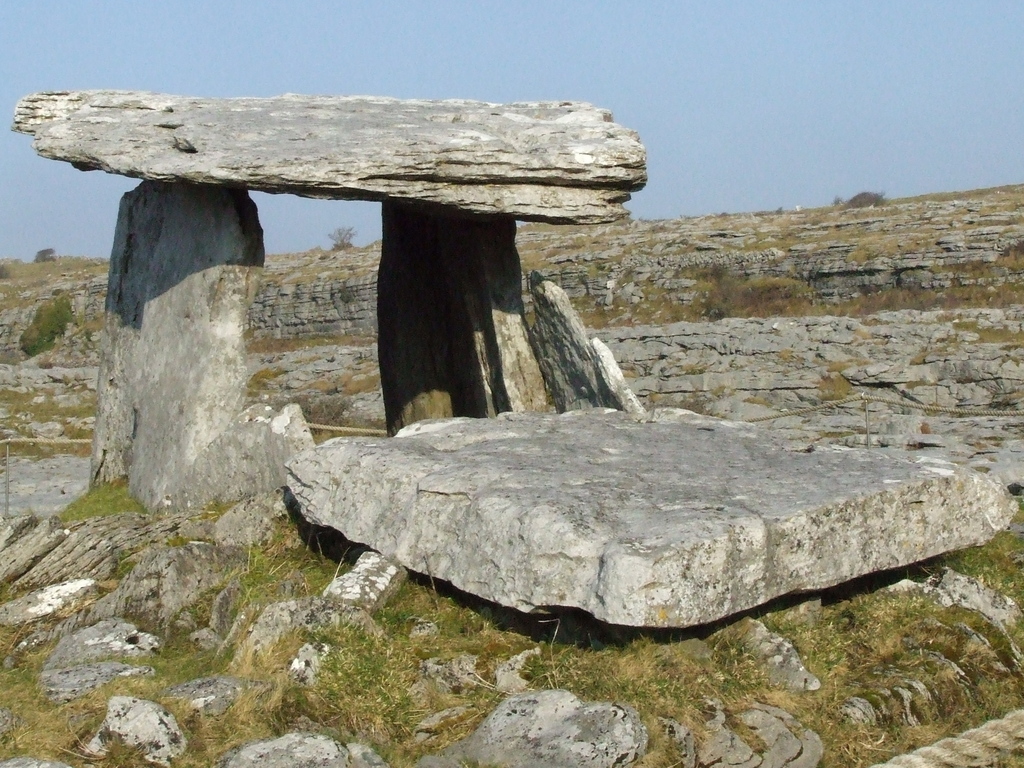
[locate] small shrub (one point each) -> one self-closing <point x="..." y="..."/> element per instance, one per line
<point x="834" y="387"/>
<point x="47" y="254"/>
<point x="341" y="238"/>
<point x="49" y="324"/>
<point x="866" y="200"/>
<point x="5" y="272"/>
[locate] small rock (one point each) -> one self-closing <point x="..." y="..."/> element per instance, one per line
<point x="785" y="668"/>
<point x="361" y="756"/>
<point x="858" y="710"/>
<point x="787" y="743"/>
<point x="306" y="665"/>
<point x="427" y="728"/>
<point x="451" y="676"/>
<point x="111" y="637"/>
<point x="206" y="639"/>
<point x="31" y="762"/>
<point x="63" y="685"/>
<point x="550" y="729"/>
<point x="251" y="521"/>
<point x="684" y="741"/>
<point x="506" y="675"/>
<point x="141" y="724"/>
<point x="46" y="601"/>
<point x="309" y="613"/>
<point x="696" y="649"/>
<point x="209" y="695"/>
<point x="423" y="628"/>
<point x="223" y="607"/>
<point x="372" y="580"/>
<point x="293" y="750"/>
<point x="7" y="720"/>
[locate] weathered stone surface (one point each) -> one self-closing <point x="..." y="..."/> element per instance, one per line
<point x="141" y="724"/>
<point x="92" y="548"/>
<point x="684" y="741"/>
<point x="209" y="695"/>
<point x="223" y="607"/>
<point x="432" y="725"/>
<point x="63" y="685"/>
<point x="550" y="729"/>
<point x="111" y="637"/>
<point x="550" y="161"/>
<point x="183" y="269"/>
<point x="452" y="339"/>
<point x="8" y="720"/>
<point x="251" y="521"/>
<point x="372" y="580"/>
<point x="452" y="676"/>
<point x="293" y="750"/>
<point x="310" y="613"/>
<point x="25" y="541"/>
<point x="785" y="741"/>
<point x="617" y="395"/>
<point x="164" y="582"/>
<point x="858" y="710"/>
<point x="678" y="521"/>
<point x="305" y="667"/>
<point x="31" y="762"/>
<point x="950" y="589"/>
<point x="560" y="343"/>
<point x="784" y="665"/>
<point x="45" y="602"/>
<point x="506" y="675"/>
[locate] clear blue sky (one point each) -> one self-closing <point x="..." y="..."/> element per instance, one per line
<point x="742" y="105"/>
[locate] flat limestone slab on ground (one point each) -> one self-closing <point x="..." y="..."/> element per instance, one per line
<point x="674" y="522"/>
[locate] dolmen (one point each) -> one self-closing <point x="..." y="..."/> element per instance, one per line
<point x="453" y="178"/>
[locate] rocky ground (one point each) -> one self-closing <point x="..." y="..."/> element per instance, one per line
<point x="744" y="316"/>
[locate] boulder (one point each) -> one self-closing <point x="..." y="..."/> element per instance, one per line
<point x="550" y="729"/>
<point x="63" y="685"/>
<point x="165" y="582"/>
<point x="210" y="695"/>
<point x="506" y="675"/>
<point x="673" y="522"/>
<point x="46" y="601"/>
<point x="550" y="161"/>
<point x="785" y="667"/>
<point x="250" y="522"/>
<point x="24" y="541"/>
<point x="293" y="750"/>
<point x="143" y="725"/>
<point x="309" y="613"/>
<point x="305" y="667"/>
<point x="372" y="580"/>
<point x="108" y="638"/>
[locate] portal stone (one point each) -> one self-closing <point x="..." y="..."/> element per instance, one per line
<point x="183" y="271"/>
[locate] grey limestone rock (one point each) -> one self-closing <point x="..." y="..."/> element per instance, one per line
<point x="955" y="589"/>
<point x="305" y="667"/>
<point x="784" y="665"/>
<point x="783" y="741"/>
<point x="361" y="756"/>
<point x="250" y="521"/>
<point x="372" y="580"/>
<point x="432" y="725"/>
<point x="684" y="741"/>
<point x="293" y="750"/>
<point x="506" y="675"/>
<point x="8" y="720"/>
<point x="550" y="729"/>
<point x="46" y="601"/>
<point x="183" y="270"/>
<point x="662" y="523"/>
<point x="859" y="710"/>
<point x="110" y="637"/>
<point x="141" y="724"/>
<point x="223" y="607"/>
<point x="209" y="695"/>
<point x="24" y="541"/>
<point x="279" y="618"/>
<point x="31" y="762"/>
<point x="617" y="393"/>
<point x="554" y="161"/>
<point x="450" y="676"/>
<point x="63" y="685"/>
<point x="164" y="582"/>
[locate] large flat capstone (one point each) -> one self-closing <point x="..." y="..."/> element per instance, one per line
<point x="547" y="161"/>
<point x="673" y="522"/>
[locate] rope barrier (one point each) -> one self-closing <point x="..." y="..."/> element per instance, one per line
<point x="866" y="398"/>
<point x="977" y="747"/>
<point x="355" y="431"/>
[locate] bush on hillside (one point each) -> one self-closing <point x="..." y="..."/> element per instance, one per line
<point x="341" y="238"/>
<point x="5" y="272"/>
<point x="866" y="200"/>
<point x="48" y="325"/>
<point x="47" y="254"/>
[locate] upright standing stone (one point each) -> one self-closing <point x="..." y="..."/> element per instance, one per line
<point x="452" y="339"/>
<point x="183" y="270"/>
